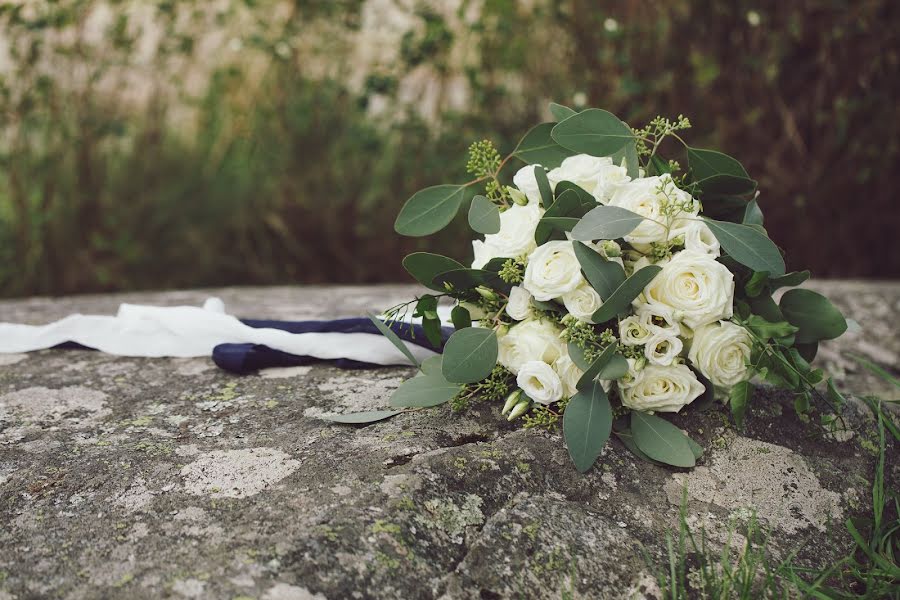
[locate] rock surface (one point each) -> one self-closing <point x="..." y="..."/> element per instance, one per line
<point x="149" y="478"/>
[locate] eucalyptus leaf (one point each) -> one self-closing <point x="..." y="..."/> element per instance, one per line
<point x="753" y="213"/>
<point x="470" y="355"/>
<point x="424" y="267"/>
<point x="395" y="340"/>
<point x="560" y="112"/>
<point x="628" y="154"/>
<point x="615" y="368"/>
<point x="631" y="288"/>
<point x="587" y="200"/>
<point x="587" y="423"/>
<point x="431" y="365"/>
<point x="696" y="448"/>
<point x="627" y="438"/>
<point x="748" y="246"/>
<point x="605" y="276"/>
<point x="559" y="223"/>
<point x="606" y="223"/>
<point x="658" y="166"/>
<point x="540" y="176"/>
<point x="484" y="216"/>
<point x="660" y="440"/>
<point x="361" y="418"/>
<point x="739" y="400"/>
<point x="463" y="279"/>
<point x="424" y="391"/>
<point x="708" y="163"/>
<point x="790" y="280"/>
<point x="429" y="210"/>
<point x="726" y="185"/>
<point x="814" y="315"/>
<point x="577" y="356"/>
<point x="460" y="317"/>
<point x="593" y="131"/>
<point x="567" y="204"/>
<point x="586" y="381"/>
<point x="808" y="350"/>
<point x="538" y="148"/>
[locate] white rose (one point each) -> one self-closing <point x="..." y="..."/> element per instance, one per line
<point x="552" y="271"/>
<point x="662" y="348"/>
<point x="515" y="238"/>
<point x="540" y="382"/>
<point x="662" y="389"/>
<point x="649" y="197"/>
<point x="525" y="180"/>
<point x="633" y="332"/>
<point x="530" y="341"/>
<point x="598" y="176"/>
<point x="698" y="237"/>
<point x="695" y="286"/>
<point x="582" y="302"/>
<point x="721" y="351"/>
<point x="519" y="305"/>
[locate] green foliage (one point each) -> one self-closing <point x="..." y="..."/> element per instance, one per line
<point x="748" y="246"/>
<point x="814" y="315"/>
<point x="395" y="340"/>
<point x="424" y="267"/>
<point x="361" y="418"/>
<point x="587" y="423"/>
<point x="593" y="131"/>
<point x="661" y="441"/>
<point x="606" y="223"/>
<point x="620" y="300"/>
<point x="605" y="276"/>
<point x="539" y="148"/>
<point x="493" y="388"/>
<point x="429" y="210"/>
<point x="470" y="355"/>
<point x="484" y="216"/>
<point x="424" y="391"/>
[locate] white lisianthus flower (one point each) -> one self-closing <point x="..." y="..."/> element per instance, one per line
<point x="519" y="305"/>
<point x="598" y="176"/>
<point x="721" y="351"/>
<point x="525" y="180"/>
<point x="633" y="332"/>
<point x="697" y="288"/>
<point x="515" y="238"/>
<point x="540" y="382"/>
<point x="659" y="318"/>
<point x="662" y="389"/>
<point x="649" y="197"/>
<point x="662" y="348"/>
<point x="528" y="341"/>
<point x="582" y="302"/>
<point x="698" y="237"/>
<point x="552" y="271"/>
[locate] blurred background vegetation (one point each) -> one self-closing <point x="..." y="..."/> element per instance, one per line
<point x="158" y="144"/>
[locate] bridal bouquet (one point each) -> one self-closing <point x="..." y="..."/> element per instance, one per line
<point x="611" y="286"/>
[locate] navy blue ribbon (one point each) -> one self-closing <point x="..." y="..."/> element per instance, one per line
<point x="247" y="358"/>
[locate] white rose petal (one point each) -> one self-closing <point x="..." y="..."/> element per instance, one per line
<point x="698" y="237"/>
<point x="525" y="180"/>
<point x="552" y="271"/>
<point x="540" y="382"/>
<point x="519" y="305"/>
<point x="697" y="288"/>
<point x="528" y="341"/>
<point x="569" y="374"/>
<point x="633" y="332"/>
<point x="721" y="351"/>
<point x="662" y="389"/>
<point x="662" y="348"/>
<point x="647" y="197"/>
<point x="515" y="238"/>
<point x="598" y="176"/>
<point x="582" y="302"/>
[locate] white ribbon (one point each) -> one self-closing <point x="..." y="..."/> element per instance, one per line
<point x="188" y="331"/>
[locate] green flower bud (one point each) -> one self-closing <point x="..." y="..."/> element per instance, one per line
<point x="611" y="248"/>
<point x="520" y="409"/>
<point x="511" y="401"/>
<point x="486" y="293"/>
